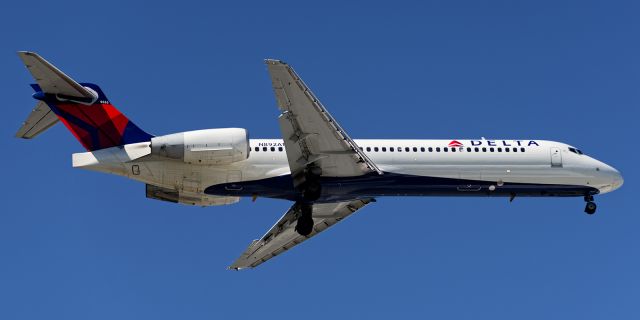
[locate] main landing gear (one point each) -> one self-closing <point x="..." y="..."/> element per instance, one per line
<point x="311" y="191"/>
<point x="304" y="227"/>
<point x="590" y="208"/>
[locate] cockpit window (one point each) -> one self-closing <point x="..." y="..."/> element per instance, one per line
<point x="574" y="150"/>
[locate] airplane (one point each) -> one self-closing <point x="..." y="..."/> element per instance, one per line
<point x="315" y="164"/>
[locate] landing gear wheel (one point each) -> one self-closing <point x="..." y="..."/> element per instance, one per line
<point x="590" y="208"/>
<point x="304" y="227"/>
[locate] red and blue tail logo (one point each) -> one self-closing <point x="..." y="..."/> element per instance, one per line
<point x="98" y="125"/>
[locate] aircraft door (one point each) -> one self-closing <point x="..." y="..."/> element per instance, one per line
<point x="556" y="157"/>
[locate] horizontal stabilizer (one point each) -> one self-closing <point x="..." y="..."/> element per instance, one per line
<point x="40" y="119"/>
<point x="51" y="79"/>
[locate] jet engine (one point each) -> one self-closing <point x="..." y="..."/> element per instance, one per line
<point x="206" y="147"/>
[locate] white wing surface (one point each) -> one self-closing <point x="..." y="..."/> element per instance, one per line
<point x="283" y="236"/>
<point x="311" y="135"/>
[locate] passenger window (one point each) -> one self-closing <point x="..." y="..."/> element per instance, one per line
<point x="399" y="149"/>
<point x="391" y="149"/>
<point x="437" y="149"/>
<point x="477" y="149"/>
<point x="421" y="149"/>
<point x="506" y="149"/>
<point x="499" y="149"/>
<point x="407" y="149"/>
<point x="361" y="149"/>
<point x="430" y="149"/>
<point x="384" y="149"/>
<point x="491" y="149"/>
<point x="468" y="149"/>
<point x="273" y="149"/>
<point x="446" y="149"/>
<point x="256" y="149"/>
<point x="368" y="149"/>
<point x="264" y="149"/>
<point x="521" y="149"/>
<point x="453" y="149"/>
<point x="375" y="149"/>
<point x="280" y="149"/>
<point x="484" y="149"/>
<point x="515" y="149"/>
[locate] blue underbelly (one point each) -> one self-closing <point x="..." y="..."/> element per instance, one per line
<point x="393" y="184"/>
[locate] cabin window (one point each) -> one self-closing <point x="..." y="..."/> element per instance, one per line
<point x="384" y="149"/>
<point x="484" y="149"/>
<point x="468" y="149"/>
<point x="453" y="149"/>
<point x="574" y="150"/>
<point x="521" y="149"/>
<point x="506" y="149"/>
<point x="491" y="149"/>
<point x="256" y="149"/>
<point x="391" y="149"/>
<point x="264" y="149"/>
<point x="280" y="149"/>
<point x="515" y="149"/>
<point x="499" y="149"/>
<point x="407" y="149"/>
<point x="273" y="149"/>
<point x="445" y="149"/>
<point x="368" y="149"/>
<point x="430" y="149"/>
<point x="437" y="149"/>
<point x="421" y="149"/>
<point x="375" y="149"/>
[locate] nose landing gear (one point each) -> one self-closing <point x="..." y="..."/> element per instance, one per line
<point x="590" y="208"/>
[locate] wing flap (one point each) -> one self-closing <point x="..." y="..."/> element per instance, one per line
<point x="282" y="236"/>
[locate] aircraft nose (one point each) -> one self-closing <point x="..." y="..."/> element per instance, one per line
<point x="617" y="179"/>
<point x="613" y="175"/>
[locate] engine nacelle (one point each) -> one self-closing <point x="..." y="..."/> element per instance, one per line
<point x="210" y="146"/>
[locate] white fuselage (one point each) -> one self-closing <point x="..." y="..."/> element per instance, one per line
<point x="484" y="164"/>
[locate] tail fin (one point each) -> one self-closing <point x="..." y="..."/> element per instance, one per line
<point x="82" y="107"/>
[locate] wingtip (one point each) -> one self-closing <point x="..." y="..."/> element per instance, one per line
<point x="274" y="61"/>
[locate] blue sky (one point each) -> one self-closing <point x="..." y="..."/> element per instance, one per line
<point x="82" y="245"/>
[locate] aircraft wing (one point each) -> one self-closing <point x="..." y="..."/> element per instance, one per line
<point x="283" y="236"/>
<point x="311" y="135"/>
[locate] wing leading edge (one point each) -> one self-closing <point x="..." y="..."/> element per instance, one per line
<point x="283" y="236"/>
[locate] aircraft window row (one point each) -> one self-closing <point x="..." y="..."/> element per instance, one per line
<point x="445" y="149"/>
<point x="423" y="149"/>
<point x="576" y="151"/>
<point x="265" y="149"/>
